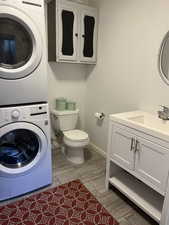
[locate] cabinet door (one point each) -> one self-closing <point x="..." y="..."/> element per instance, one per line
<point x="123" y="148"/>
<point x="152" y="163"/>
<point x="67" y="32"/>
<point x="88" y="41"/>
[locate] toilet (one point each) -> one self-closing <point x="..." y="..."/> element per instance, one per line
<point x="74" y="140"/>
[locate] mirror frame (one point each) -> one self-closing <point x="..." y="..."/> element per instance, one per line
<point x="162" y="75"/>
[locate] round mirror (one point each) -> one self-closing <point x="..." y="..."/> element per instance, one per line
<point x="164" y="59"/>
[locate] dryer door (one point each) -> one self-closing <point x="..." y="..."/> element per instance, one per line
<point x="20" y="44"/>
<point x="22" y="145"/>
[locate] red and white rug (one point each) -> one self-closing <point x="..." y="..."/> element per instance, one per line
<point x="68" y="204"/>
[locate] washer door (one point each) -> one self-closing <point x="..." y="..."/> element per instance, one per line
<point x="20" y="44"/>
<point x="22" y="145"/>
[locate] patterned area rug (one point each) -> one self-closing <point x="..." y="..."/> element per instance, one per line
<point x="68" y="204"/>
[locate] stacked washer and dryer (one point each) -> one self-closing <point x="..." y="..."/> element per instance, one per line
<point x="25" y="148"/>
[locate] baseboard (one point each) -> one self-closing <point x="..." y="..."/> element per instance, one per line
<point x="97" y="149"/>
<point x="91" y="145"/>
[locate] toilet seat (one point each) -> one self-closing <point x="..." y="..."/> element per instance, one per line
<point x="76" y="138"/>
<point x="76" y="135"/>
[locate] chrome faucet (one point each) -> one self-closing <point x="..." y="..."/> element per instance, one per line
<point x="164" y="114"/>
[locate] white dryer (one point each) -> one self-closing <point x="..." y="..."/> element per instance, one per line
<point x="25" y="150"/>
<point x="23" y="52"/>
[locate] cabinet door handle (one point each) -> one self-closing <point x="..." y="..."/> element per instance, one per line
<point x="76" y="34"/>
<point x="83" y="35"/>
<point x="132" y="144"/>
<point x="136" y="146"/>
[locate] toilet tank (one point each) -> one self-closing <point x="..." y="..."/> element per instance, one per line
<point x="65" y="120"/>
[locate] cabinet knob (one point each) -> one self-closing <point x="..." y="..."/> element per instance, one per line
<point x="83" y="35"/>
<point x="76" y="34"/>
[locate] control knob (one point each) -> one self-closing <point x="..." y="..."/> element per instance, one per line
<point x="15" y="114"/>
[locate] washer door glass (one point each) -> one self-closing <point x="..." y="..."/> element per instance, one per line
<point x="18" y="148"/>
<point x="15" y="44"/>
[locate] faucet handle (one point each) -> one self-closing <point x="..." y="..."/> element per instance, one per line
<point x="165" y="108"/>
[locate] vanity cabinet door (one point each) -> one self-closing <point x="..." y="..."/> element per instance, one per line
<point x="88" y="39"/>
<point x="67" y="32"/>
<point x="122" y="148"/>
<point x="152" y="164"/>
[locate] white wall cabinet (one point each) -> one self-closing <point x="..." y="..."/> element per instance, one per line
<point x="67" y="32"/>
<point x="138" y="166"/>
<point x="76" y="33"/>
<point x="88" y="34"/>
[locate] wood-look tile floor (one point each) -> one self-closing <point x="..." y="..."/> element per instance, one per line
<point x="92" y="175"/>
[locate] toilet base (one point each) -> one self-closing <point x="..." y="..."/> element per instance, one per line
<point x="75" y="154"/>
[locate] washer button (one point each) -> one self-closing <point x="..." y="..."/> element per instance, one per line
<point x="15" y="114"/>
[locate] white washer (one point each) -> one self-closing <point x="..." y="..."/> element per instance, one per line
<point x="23" y="52"/>
<point x="25" y="150"/>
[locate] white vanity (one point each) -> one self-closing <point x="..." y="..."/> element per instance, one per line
<point x="138" y="159"/>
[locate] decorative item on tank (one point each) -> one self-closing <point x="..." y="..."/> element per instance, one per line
<point x="61" y="104"/>
<point x="71" y="105"/>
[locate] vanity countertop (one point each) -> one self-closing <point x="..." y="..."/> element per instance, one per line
<point x="144" y="122"/>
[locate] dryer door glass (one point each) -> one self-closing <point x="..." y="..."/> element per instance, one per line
<point x="18" y="148"/>
<point x="16" y="45"/>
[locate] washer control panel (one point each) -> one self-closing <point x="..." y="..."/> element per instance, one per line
<point x="33" y="3"/>
<point x="38" y="110"/>
<point x="23" y="113"/>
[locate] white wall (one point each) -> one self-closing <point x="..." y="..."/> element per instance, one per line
<point x="67" y="80"/>
<point x="126" y="76"/>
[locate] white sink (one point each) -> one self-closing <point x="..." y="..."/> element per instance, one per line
<point x="144" y="121"/>
<point x="151" y="121"/>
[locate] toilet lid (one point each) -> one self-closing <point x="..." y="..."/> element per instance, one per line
<point x="76" y="135"/>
